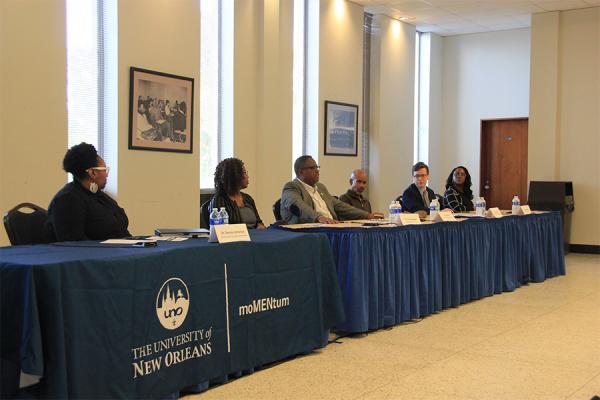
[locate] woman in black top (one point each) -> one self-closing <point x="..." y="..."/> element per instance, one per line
<point x="81" y="210"/>
<point x="458" y="195"/>
<point x="230" y="178"/>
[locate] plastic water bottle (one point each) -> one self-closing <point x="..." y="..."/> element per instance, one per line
<point x="214" y="220"/>
<point x="392" y="212"/>
<point x="224" y="215"/>
<point x="397" y="212"/>
<point x="479" y="207"/>
<point x="215" y="217"/>
<point x="483" y="205"/>
<point x="398" y="208"/>
<point x="516" y="203"/>
<point x="434" y="208"/>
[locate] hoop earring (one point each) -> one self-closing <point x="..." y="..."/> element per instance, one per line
<point x="93" y="187"/>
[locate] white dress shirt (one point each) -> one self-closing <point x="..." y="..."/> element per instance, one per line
<point x="320" y="205"/>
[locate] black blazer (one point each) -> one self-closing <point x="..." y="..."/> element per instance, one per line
<point x="76" y="213"/>
<point x="412" y="200"/>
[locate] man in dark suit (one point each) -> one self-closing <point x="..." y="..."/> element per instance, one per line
<point x="417" y="196"/>
<point x="306" y="200"/>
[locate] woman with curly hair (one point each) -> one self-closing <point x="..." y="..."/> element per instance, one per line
<point x="458" y="195"/>
<point x="81" y="210"/>
<point x="230" y="178"/>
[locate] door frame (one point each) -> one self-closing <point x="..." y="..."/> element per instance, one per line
<point x="482" y="159"/>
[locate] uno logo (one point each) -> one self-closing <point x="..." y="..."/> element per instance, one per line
<point x="172" y="303"/>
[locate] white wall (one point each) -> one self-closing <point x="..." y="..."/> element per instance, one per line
<point x="392" y="110"/>
<point x="565" y="111"/>
<point x="33" y="102"/>
<point x="485" y="76"/>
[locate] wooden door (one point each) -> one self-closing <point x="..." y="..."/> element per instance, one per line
<point x="503" y="161"/>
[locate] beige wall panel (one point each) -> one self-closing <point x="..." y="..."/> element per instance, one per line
<point x="392" y="110"/>
<point x="158" y="189"/>
<point x="579" y="121"/>
<point x="274" y="159"/>
<point x="248" y="22"/>
<point x="543" y="163"/>
<point x="341" y="75"/>
<point x="33" y="102"/>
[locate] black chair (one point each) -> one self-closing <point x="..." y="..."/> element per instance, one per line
<point x="277" y="210"/>
<point x="26" y="228"/>
<point x="204" y="217"/>
<point x="399" y="199"/>
<point x="440" y="200"/>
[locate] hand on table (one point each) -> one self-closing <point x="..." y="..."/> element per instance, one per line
<point x="375" y="215"/>
<point x="324" y="220"/>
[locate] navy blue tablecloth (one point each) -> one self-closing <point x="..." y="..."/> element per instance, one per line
<point x="391" y="275"/>
<point x="112" y="322"/>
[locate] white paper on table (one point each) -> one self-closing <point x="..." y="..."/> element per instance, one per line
<point x="228" y="233"/>
<point x="171" y="238"/>
<point x="409" y="219"/>
<point x="127" y="241"/>
<point x="445" y="216"/>
<point x="494" y="212"/>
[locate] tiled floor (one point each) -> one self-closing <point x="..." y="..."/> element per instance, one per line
<point x="540" y="342"/>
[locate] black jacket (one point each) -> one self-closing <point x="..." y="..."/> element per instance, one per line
<point x="233" y="211"/>
<point x="412" y="200"/>
<point x="78" y="214"/>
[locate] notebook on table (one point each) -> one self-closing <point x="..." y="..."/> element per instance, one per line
<point x="188" y="232"/>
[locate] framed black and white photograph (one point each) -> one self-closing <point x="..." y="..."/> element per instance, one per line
<point x="161" y="109"/>
<point x="341" y="129"/>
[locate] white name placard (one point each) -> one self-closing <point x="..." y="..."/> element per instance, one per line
<point x="228" y="233"/>
<point x="494" y="212"/>
<point x="523" y="210"/>
<point x="409" y="219"/>
<point x="445" y="216"/>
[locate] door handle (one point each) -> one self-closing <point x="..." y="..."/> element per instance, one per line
<point x="487" y="185"/>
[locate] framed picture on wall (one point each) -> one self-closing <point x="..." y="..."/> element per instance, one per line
<point x="161" y="111"/>
<point x="341" y="129"/>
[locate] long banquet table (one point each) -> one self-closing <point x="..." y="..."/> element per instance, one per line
<point x="111" y="322"/>
<point x="390" y="275"/>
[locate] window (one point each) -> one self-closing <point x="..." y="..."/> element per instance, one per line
<point x="299" y="68"/>
<point x="216" y="86"/>
<point x="311" y="84"/>
<point x="92" y="78"/>
<point x="83" y="63"/>
<point x="422" y="83"/>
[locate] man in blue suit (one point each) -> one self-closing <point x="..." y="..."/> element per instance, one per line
<point x="417" y="196"/>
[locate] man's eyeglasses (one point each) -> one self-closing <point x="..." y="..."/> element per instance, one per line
<point x="313" y="167"/>
<point x="107" y="169"/>
<point x="421" y="175"/>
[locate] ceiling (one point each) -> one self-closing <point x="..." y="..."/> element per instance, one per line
<point x="457" y="17"/>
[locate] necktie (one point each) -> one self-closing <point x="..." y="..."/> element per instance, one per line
<point x="426" y="198"/>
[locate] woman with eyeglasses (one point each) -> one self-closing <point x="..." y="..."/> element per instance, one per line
<point x="81" y="210"/>
<point x="230" y="178"/>
<point x="458" y="195"/>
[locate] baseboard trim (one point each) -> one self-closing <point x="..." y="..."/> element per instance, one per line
<point x="584" y="248"/>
